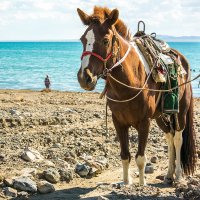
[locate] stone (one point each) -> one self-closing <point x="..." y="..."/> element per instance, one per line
<point x="28" y="172"/>
<point x="154" y="159"/>
<point x="2" y="157"/>
<point x="149" y="169"/>
<point x="52" y="175"/>
<point x="48" y="163"/>
<point x="8" y="182"/>
<point x="25" y="184"/>
<point x="45" y="187"/>
<point x="10" y="192"/>
<point x="102" y="160"/>
<point x="66" y="174"/>
<point x="82" y="169"/>
<point x="31" y="155"/>
<point x="102" y="198"/>
<point x="14" y="112"/>
<point x="22" y="195"/>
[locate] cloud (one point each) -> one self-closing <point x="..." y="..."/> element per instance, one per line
<point x="175" y="17"/>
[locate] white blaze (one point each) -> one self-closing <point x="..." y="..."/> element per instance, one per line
<point x="89" y="47"/>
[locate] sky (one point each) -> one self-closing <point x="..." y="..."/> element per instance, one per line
<point x="58" y="19"/>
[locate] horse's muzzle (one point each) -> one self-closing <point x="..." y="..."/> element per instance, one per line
<point x="86" y="80"/>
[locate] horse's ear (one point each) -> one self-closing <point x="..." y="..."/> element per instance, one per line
<point x="113" y="17"/>
<point x="84" y="17"/>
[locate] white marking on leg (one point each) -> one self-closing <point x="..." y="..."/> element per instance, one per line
<point x="89" y="47"/>
<point x="141" y="162"/>
<point x="178" y="141"/>
<point x="171" y="156"/>
<point x="126" y="178"/>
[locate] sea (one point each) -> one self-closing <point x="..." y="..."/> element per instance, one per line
<point x="24" y="65"/>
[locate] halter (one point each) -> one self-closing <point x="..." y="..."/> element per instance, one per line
<point x="104" y="60"/>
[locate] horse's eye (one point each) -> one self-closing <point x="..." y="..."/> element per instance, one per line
<point x="105" y="42"/>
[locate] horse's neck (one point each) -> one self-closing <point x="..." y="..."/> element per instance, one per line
<point x="127" y="73"/>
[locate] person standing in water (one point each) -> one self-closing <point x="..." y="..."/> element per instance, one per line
<point x="47" y="82"/>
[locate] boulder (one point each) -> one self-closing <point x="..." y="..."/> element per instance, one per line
<point x="25" y="184"/>
<point x="45" y="187"/>
<point x="9" y="192"/>
<point x="31" y="155"/>
<point x="52" y="175"/>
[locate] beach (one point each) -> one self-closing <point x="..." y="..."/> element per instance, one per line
<point x="69" y="128"/>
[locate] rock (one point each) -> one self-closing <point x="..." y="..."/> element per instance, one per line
<point x="56" y="145"/>
<point x="66" y="174"/>
<point x="8" y="182"/>
<point x="51" y="175"/>
<point x="45" y="187"/>
<point x="14" y="112"/>
<point x="10" y="192"/>
<point x="28" y="172"/>
<point x="22" y="195"/>
<point x="102" y="160"/>
<point x="102" y="198"/>
<point x="149" y="169"/>
<point x="161" y="177"/>
<point x="31" y="155"/>
<point x="48" y="163"/>
<point x="154" y="159"/>
<point x="82" y="169"/>
<point x="2" y="157"/>
<point x="25" y="184"/>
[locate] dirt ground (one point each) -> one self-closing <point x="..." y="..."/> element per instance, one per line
<point x="64" y="126"/>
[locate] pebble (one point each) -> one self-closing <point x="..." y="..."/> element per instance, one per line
<point x="102" y="198"/>
<point x="8" y="182"/>
<point x="14" y="112"/>
<point x="52" y="175"/>
<point x="149" y="169"/>
<point x="22" y="195"/>
<point x="66" y="174"/>
<point x="25" y="184"/>
<point x="28" y="172"/>
<point x="45" y="187"/>
<point x="31" y="155"/>
<point x="82" y="169"/>
<point x="154" y="159"/>
<point x="10" y="192"/>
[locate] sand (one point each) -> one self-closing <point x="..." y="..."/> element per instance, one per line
<point x="66" y="124"/>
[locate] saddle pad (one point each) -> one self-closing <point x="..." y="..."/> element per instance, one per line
<point x="142" y="58"/>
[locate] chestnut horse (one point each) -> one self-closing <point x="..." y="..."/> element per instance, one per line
<point x="106" y="42"/>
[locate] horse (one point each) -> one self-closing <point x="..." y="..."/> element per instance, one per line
<point x="106" y="48"/>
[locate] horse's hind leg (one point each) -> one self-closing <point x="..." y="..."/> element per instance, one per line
<point x="122" y="133"/>
<point x="171" y="158"/>
<point x="178" y="140"/>
<point x="143" y="131"/>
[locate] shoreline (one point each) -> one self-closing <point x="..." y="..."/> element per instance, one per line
<point x="4" y="91"/>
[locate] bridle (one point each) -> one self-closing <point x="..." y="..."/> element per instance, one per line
<point x="112" y="54"/>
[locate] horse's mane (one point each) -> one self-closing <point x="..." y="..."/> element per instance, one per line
<point x="102" y="13"/>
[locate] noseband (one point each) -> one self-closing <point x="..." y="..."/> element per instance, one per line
<point x="112" y="54"/>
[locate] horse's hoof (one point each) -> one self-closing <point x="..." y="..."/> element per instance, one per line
<point x="178" y="180"/>
<point x="143" y="184"/>
<point x="168" y="180"/>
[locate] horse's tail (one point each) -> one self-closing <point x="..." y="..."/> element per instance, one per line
<point x="188" y="149"/>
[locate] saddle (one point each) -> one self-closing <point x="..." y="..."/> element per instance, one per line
<point x="165" y="65"/>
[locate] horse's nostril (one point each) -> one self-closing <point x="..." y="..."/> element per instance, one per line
<point x="88" y="79"/>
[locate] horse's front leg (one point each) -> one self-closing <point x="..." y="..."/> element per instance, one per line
<point x="122" y="133"/>
<point x="143" y="130"/>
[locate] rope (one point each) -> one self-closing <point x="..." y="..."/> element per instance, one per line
<point x="127" y="100"/>
<point x="153" y="90"/>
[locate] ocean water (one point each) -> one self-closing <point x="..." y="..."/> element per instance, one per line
<point x="24" y="65"/>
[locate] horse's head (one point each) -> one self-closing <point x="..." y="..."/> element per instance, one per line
<point x="97" y="44"/>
